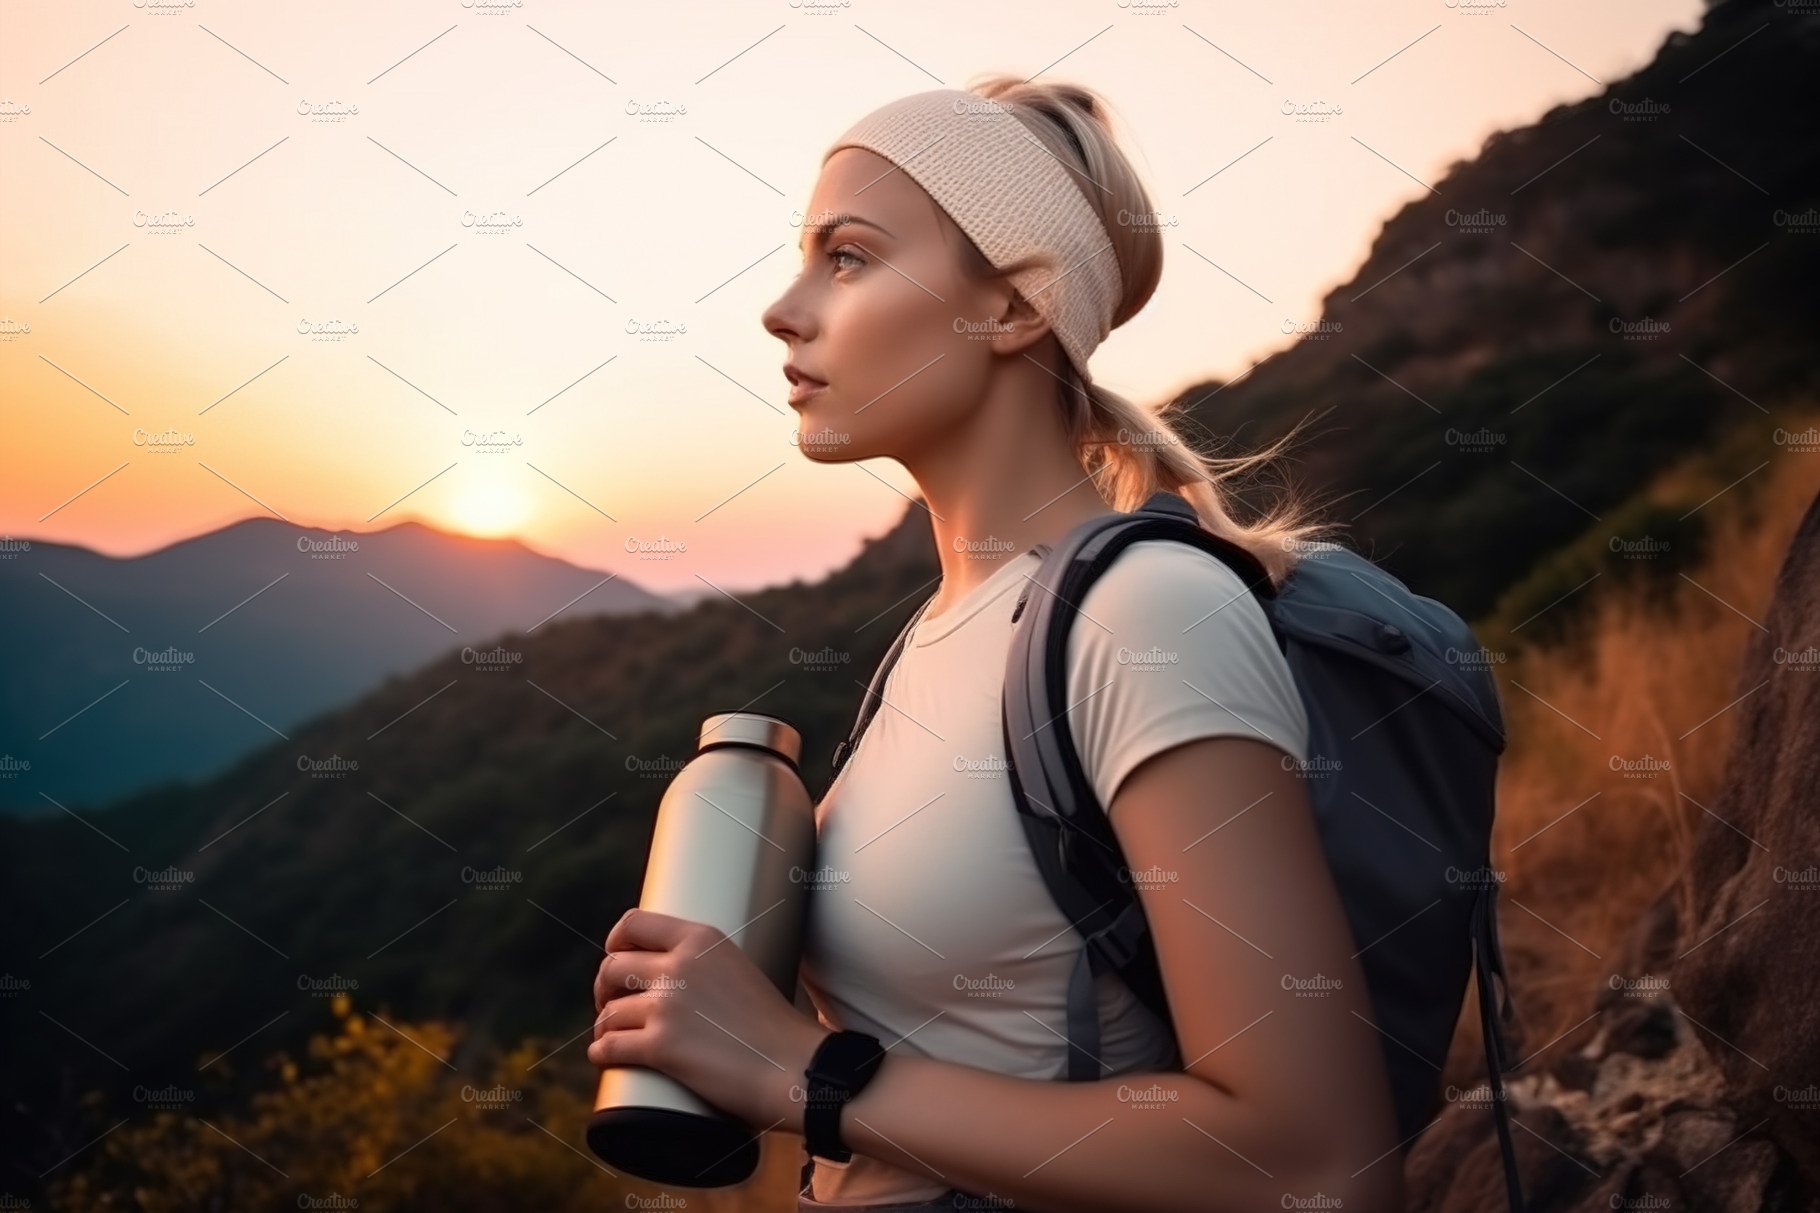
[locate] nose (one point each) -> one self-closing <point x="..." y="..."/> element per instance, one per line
<point x="786" y="318"/>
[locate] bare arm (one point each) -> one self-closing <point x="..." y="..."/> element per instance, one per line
<point x="1285" y="1097"/>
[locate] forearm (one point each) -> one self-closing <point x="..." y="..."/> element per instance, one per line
<point x="1163" y="1141"/>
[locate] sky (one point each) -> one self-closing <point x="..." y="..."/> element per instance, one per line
<point x="499" y="265"/>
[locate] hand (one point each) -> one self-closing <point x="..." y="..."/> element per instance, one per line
<point x="682" y="998"/>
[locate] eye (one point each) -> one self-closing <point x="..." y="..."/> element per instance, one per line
<point x="835" y="255"/>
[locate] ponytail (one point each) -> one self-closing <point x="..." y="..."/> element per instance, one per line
<point x="1130" y="451"/>
<point x="1133" y="452"/>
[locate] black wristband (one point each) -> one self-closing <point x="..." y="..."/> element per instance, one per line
<point x="843" y="1064"/>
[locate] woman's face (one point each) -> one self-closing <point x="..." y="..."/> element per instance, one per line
<point x="883" y="313"/>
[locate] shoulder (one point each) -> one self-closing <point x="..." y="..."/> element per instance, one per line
<point x="1169" y="645"/>
<point x="1159" y="584"/>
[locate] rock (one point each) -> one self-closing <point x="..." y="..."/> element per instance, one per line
<point x="1646" y="1029"/>
<point x="1456" y="1167"/>
<point x="1700" y="1087"/>
<point x="1749" y="973"/>
<point x="1710" y="1166"/>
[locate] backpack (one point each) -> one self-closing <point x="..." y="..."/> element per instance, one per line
<point x="1410" y="737"/>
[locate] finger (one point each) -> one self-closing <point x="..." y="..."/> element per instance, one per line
<point x="648" y="929"/>
<point x="622" y="1034"/>
<point x="624" y="1013"/>
<point x="601" y="1017"/>
<point x="618" y="1014"/>
<point x="611" y="965"/>
<point x="627" y="973"/>
<point x="621" y="1049"/>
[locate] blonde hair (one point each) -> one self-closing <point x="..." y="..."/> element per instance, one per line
<point x="1131" y="451"/>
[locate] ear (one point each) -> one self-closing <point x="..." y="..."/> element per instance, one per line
<point x="1011" y="325"/>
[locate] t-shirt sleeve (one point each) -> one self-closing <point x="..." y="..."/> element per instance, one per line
<point x="1170" y="646"/>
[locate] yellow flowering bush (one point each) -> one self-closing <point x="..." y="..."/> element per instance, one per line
<point x="388" y="1116"/>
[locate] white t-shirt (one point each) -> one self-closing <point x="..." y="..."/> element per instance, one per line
<point x="929" y="924"/>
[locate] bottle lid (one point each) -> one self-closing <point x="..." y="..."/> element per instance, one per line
<point x="753" y="729"/>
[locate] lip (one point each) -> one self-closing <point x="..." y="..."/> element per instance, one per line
<point x="804" y="389"/>
<point x="802" y="385"/>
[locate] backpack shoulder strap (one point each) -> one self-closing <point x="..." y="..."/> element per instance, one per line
<point x="1036" y="692"/>
<point x="1070" y="837"/>
<point x="1488" y="966"/>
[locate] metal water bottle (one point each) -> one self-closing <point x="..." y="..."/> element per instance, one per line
<point x="735" y="833"/>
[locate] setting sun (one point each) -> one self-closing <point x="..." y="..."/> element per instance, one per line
<point x="487" y="507"/>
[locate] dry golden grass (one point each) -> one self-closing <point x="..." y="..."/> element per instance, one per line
<point x="1617" y="745"/>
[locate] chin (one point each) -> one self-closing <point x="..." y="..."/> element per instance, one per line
<point x="823" y="443"/>
<point x="817" y="453"/>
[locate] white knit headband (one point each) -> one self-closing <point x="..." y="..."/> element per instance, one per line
<point x="1012" y="198"/>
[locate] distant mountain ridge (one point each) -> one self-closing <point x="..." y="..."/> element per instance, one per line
<point x="129" y="671"/>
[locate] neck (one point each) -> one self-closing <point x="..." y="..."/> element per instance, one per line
<point x="999" y="485"/>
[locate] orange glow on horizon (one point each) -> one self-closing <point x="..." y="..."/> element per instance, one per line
<point x="489" y="509"/>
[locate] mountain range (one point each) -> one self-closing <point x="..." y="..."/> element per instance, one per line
<point x="126" y="673"/>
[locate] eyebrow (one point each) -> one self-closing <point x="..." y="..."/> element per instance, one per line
<point x="818" y="234"/>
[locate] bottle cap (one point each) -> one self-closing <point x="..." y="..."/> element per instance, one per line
<point x="753" y="729"/>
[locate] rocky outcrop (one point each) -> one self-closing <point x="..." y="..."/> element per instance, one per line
<point x="1700" y="1086"/>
